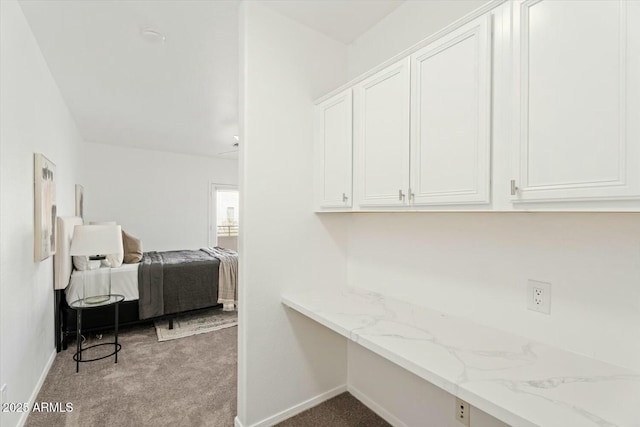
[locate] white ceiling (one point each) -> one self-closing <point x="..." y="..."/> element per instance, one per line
<point x="181" y="95"/>
<point x="342" y="20"/>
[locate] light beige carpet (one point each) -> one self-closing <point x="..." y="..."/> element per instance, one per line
<point x="196" y="323"/>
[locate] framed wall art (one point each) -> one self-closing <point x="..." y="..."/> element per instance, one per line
<point x="80" y="201"/>
<point x="44" y="207"/>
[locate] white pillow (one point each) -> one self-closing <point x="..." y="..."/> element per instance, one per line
<point x="80" y="262"/>
<point x="114" y="260"/>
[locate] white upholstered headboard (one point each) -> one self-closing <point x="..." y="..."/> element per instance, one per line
<point x="62" y="259"/>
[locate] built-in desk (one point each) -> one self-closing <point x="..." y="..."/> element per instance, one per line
<point x="516" y="380"/>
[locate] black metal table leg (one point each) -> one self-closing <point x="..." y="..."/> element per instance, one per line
<point x="78" y="339"/>
<point x="116" y="343"/>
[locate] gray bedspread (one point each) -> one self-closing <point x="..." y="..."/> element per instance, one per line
<point x="176" y="281"/>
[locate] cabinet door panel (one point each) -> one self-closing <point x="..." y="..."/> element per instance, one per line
<point x="382" y="137"/>
<point x="333" y="151"/>
<point x="451" y="118"/>
<point x="572" y="73"/>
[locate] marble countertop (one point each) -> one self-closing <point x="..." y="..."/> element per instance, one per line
<point x="516" y="380"/>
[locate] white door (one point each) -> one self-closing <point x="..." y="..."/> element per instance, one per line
<point x="577" y="100"/>
<point x="333" y="151"/>
<point x="451" y="118"/>
<point x="382" y="137"/>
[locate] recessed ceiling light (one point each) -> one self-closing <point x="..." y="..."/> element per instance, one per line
<point x="152" y="36"/>
<point x="237" y="138"/>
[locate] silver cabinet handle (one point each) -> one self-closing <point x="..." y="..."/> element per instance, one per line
<point x="514" y="187"/>
<point x="412" y="196"/>
<point x="344" y="197"/>
<point x="400" y="195"/>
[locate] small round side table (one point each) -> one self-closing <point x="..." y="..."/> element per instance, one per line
<point x="79" y="306"/>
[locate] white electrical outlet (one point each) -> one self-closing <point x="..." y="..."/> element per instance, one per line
<point x="462" y="413"/>
<point x="3" y="394"/>
<point x="539" y="296"/>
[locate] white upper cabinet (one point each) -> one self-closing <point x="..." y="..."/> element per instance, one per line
<point x="577" y="100"/>
<point x="381" y="126"/>
<point x="451" y="118"/>
<point x="333" y="151"/>
<point x="544" y="111"/>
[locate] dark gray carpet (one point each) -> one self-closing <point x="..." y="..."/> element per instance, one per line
<point x="185" y="382"/>
<point x="341" y="411"/>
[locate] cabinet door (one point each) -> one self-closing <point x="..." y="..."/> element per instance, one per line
<point x="451" y="118"/>
<point x="382" y="137"/>
<point x="577" y="77"/>
<point x="333" y="151"/>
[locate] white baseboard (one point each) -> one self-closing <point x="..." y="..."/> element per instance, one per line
<point x="295" y="410"/>
<point x="36" y="390"/>
<point x="369" y="403"/>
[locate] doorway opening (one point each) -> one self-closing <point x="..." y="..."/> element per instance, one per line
<point x="224" y="219"/>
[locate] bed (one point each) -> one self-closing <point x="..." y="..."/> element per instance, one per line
<point x="161" y="286"/>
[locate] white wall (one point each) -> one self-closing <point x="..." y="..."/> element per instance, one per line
<point x="413" y="21"/>
<point x="33" y="118"/>
<point x="160" y="197"/>
<point x="285" y="359"/>
<point x="477" y="266"/>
